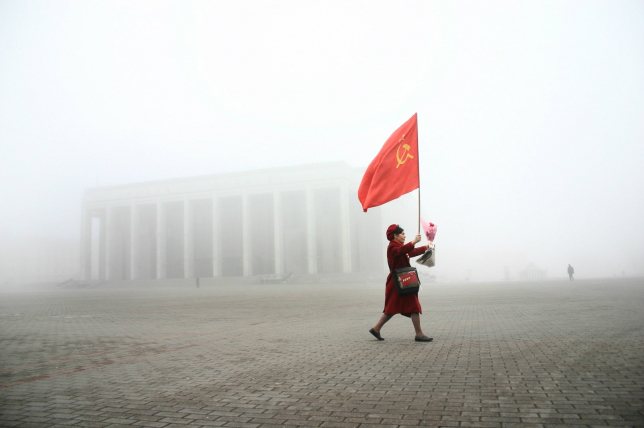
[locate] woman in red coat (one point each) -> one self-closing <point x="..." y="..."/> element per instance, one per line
<point x="398" y="254"/>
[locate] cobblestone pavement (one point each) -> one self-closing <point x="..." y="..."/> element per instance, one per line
<point x="505" y="354"/>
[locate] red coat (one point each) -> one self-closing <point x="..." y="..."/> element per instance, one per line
<point x="398" y="257"/>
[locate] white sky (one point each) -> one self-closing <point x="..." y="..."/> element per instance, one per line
<point x="531" y="114"/>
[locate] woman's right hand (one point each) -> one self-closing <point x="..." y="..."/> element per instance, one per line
<point x="416" y="240"/>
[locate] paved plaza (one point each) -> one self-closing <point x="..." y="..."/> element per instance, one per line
<point x="540" y="354"/>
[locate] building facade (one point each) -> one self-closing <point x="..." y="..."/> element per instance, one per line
<point x="302" y="220"/>
<point x="532" y="273"/>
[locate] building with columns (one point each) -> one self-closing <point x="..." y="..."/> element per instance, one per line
<point x="301" y="220"/>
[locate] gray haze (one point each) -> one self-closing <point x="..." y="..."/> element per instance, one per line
<point x="531" y="114"/>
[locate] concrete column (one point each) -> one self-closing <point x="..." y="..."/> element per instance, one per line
<point x="102" y="248"/>
<point x="311" y="242"/>
<point x="161" y="241"/>
<point x="279" y="235"/>
<point x="135" y="242"/>
<point x="246" y="236"/>
<point x="109" y="243"/>
<point x="345" y="221"/>
<point x="188" y="240"/>
<point x="216" y="238"/>
<point x="86" y="245"/>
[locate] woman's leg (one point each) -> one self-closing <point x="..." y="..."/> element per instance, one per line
<point x="383" y="319"/>
<point x="415" y="319"/>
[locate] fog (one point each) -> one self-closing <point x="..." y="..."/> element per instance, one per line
<point x="531" y="114"/>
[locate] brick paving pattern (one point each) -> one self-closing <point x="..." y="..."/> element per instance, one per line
<point x="555" y="353"/>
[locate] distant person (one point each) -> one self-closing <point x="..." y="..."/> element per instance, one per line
<point x="398" y="254"/>
<point x="571" y="271"/>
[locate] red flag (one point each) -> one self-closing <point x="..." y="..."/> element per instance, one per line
<point x="394" y="171"/>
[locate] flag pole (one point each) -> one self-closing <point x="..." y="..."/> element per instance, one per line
<point x="418" y="210"/>
<point x="418" y="159"/>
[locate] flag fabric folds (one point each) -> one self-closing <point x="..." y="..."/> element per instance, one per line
<point x="394" y="171"/>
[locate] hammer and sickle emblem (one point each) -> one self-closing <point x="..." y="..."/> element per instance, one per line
<point x="405" y="154"/>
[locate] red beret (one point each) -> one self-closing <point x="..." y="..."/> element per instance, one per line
<point x="390" y="231"/>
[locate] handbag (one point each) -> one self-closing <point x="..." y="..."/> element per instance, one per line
<point x="406" y="280"/>
<point x="428" y="259"/>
